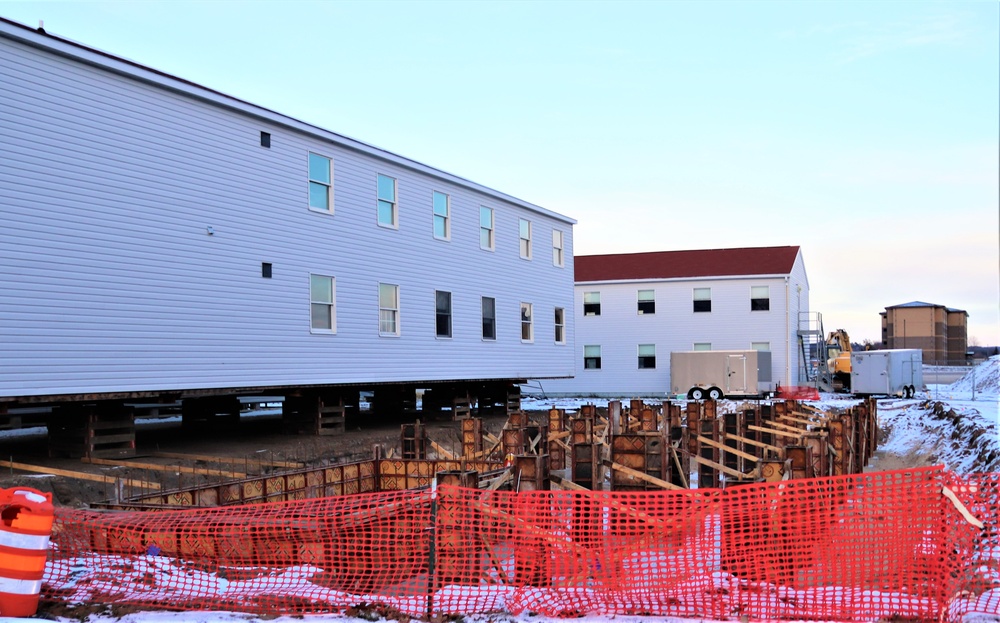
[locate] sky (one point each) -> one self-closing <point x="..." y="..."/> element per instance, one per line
<point x="867" y="133"/>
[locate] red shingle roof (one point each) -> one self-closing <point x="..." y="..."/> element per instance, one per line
<point x="685" y="264"/>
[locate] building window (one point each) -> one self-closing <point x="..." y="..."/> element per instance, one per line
<point x="527" y="325"/>
<point x="591" y="357"/>
<point x="442" y="216"/>
<point x="702" y="346"/>
<point x="647" y="356"/>
<point x="560" y="324"/>
<point x="322" y="290"/>
<point x="760" y="298"/>
<point x="442" y="313"/>
<point x="486" y="228"/>
<point x="557" y="248"/>
<point x="703" y="299"/>
<point x="760" y="346"/>
<point x="388" y="215"/>
<point x="647" y="302"/>
<point x="388" y="309"/>
<point x="591" y="303"/>
<point x="489" y="318"/>
<point x="524" y="233"/>
<point x="320" y="183"/>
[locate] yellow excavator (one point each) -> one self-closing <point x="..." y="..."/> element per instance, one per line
<point x="838" y="353"/>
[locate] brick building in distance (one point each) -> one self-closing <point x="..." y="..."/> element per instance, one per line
<point x="941" y="332"/>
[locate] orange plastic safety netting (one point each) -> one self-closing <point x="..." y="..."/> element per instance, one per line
<point x="860" y="547"/>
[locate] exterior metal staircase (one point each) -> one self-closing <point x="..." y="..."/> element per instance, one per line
<point x="813" y="353"/>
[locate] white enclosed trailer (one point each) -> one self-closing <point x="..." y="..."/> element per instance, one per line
<point x="721" y="373"/>
<point x="893" y="372"/>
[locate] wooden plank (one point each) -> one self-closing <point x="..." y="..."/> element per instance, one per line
<point x="721" y="468"/>
<point x="653" y="480"/>
<point x="799" y="420"/>
<point x="786" y="427"/>
<point x="227" y="459"/>
<point x="568" y="485"/>
<point x="442" y="452"/>
<point x="774" y="431"/>
<point x="754" y="442"/>
<point x="725" y="448"/>
<point x="24" y="467"/>
<point x="680" y="469"/>
<point x="163" y="468"/>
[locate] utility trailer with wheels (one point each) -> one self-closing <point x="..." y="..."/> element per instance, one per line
<point x="892" y="372"/>
<point x="718" y="374"/>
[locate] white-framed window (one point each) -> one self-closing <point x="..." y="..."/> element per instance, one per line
<point x="388" y="213"/>
<point x="592" y="357"/>
<point x="442" y="313"/>
<point x="489" y="318"/>
<point x="702" y="346"/>
<point x="560" y="325"/>
<point x="702" y="300"/>
<point x="323" y="304"/>
<point x="557" y="248"/>
<point x="646" y="303"/>
<point x="527" y="323"/>
<point x="591" y="303"/>
<point x="760" y="346"/>
<point x="524" y="234"/>
<point x="760" y="298"/>
<point x="486" y="238"/>
<point x="320" y="183"/>
<point x="442" y="216"/>
<point x="647" y="356"/>
<point x="388" y="309"/>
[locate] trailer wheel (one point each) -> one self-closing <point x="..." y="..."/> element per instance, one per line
<point x="715" y="393"/>
<point x="696" y="393"/>
<point x="911" y="391"/>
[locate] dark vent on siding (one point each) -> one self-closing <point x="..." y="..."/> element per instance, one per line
<point x="265" y="270"/>
<point x="265" y="139"/>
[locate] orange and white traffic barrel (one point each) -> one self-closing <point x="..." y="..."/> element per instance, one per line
<point x="25" y="527"/>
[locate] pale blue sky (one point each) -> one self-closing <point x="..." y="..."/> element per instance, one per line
<point x="865" y="132"/>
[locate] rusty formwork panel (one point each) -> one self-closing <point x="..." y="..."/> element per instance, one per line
<point x="531" y="472"/>
<point x="618" y="418"/>
<point x="817" y="441"/>
<point x="413" y="441"/>
<point x="773" y="469"/>
<point x="586" y="465"/>
<point x="840" y="461"/>
<point x="103" y="429"/>
<point x="588" y="412"/>
<point x="468" y="479"/>
<point x="517" y="419"/>
<point x="643" y="452"/>
<point x="472" y="436"/>
<point x="556" y="447"/>
<point x="513" y="441"/>
<point x="800" y="460"/>
<point x="648" y="419"/>
<point x="731" y="425"/>
<point x="581" y="430"/>
<point x="708" y="427"/>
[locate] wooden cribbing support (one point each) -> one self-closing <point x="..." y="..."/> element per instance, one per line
<point x="568" y="485"/>
<point x="681" y="472"/>
<point x="164" y="468"/>
<point x="653" y="480"/>
<point x="773" y="431"/>
<point x="799" y="420"/>
<point x="722" y="468"/>
<point x="24" y="467"/>
<point x="725" y="448"/>
<point x="227" y="459"/>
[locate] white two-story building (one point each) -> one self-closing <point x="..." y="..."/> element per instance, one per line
<point x="161" y="239"/>
<point x="632" y="310"/>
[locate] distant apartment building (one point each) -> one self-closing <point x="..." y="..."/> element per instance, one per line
<point x="941" y="332"/>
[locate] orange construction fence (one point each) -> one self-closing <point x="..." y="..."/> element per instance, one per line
<point x="920" y="543"/>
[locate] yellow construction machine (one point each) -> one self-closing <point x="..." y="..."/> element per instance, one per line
<point x="838" y="353"/>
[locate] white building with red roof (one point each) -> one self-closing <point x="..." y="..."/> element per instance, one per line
<point x="632" y="310"/>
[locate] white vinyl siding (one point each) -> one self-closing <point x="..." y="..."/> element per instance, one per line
<point x="111" y="282"/>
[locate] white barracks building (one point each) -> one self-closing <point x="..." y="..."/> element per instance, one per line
<point x="632" y="310"/>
